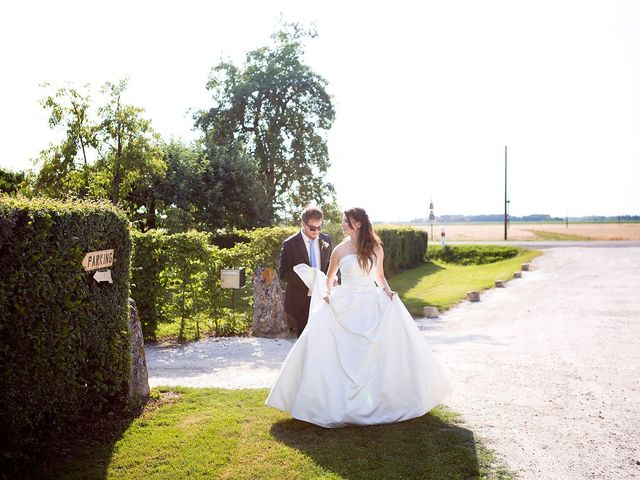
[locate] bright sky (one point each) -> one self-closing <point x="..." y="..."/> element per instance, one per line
<point x="427" y="94"/>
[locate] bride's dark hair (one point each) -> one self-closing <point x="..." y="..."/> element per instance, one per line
<point x="367" y="239"/>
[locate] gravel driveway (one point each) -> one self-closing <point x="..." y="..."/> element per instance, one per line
<point x="546" y="370"/>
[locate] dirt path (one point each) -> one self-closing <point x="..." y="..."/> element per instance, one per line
<point x="547" y="370"/>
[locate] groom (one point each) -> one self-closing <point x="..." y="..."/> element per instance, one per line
<point x="307" y="246"/>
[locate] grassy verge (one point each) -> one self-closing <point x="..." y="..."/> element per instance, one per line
<point x="443" y="285"/>
<point x="545" y="235"/>
<point x="231" y="434"/>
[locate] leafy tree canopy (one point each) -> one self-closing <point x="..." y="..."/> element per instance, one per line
<point x="278" y="110"/>
<point x="11" y="182"/>
<point x="104" y="153"/>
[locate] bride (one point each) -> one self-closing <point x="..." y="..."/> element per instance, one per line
<point x="361" y="360"/>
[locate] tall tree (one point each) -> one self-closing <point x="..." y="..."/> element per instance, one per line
<point x="277" y="108"/>
<point x="208" y="188"/>
<point x="109" y="152"/>
<point x="129" y="149"/>
<point x="234" y="177"/>
<point x="65" y="168"/>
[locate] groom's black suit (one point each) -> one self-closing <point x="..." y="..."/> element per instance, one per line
<point x="296" y="299"/>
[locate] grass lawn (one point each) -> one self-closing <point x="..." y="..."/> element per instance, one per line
<point x="443" y="285"/>
<point x="231" y="434"/>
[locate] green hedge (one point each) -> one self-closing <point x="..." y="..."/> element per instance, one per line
<point x="176" y="277"/>
<point x="147" y="262"/>
<point x="176" y="280"/>
<point x="64" y="338"/>
<point x="471" y="254"/>
<point x="404" y="247"/>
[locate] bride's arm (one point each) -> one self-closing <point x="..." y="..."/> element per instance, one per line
<point x="380" y="278"/>
<point x="334" y="262"/>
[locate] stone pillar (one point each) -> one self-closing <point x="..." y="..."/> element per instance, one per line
<point x="268" y="305"/>
<point x="139" y="379"/>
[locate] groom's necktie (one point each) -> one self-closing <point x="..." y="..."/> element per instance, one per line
<point x="312" y="255"/>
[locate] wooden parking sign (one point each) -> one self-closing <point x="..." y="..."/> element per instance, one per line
<point x="96" y="260"/>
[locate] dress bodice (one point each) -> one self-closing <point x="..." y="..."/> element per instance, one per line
<point x="353" y="276"/>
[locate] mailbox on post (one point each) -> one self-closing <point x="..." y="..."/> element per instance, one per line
<point x="232" y="278"/>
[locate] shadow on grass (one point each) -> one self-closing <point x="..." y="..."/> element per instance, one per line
<point x="405" y="280"/>
<point x="84" y="450"/>
<point x="422" y="448"/>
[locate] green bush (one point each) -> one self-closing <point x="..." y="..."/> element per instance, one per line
<point x="404" y="247"/>
<point x="264" y="248"/>
<point x="471" y="254"/>
<point x="64" y="338"/>
<point x="186" y="256"/>
<point x="169" y="277"/>
<point x="146" y="264"/>
<point x="176" y="280"/>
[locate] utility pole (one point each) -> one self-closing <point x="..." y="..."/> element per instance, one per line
<point x="506" y="202"/>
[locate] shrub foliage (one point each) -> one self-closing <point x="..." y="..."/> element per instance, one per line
<point x="64" y="338"/>
<point x="176" y="279"/>
<point x="404" y="247"/>
<point x="471" y="254"/>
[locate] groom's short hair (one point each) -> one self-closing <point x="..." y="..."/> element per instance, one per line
<point x="311" y="213"/>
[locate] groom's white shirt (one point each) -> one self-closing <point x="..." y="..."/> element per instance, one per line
<point x="316" y="247"/>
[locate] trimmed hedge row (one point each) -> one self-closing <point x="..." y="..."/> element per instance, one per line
<point x="404" y="247"/>
<point x="471" y="254"/>
<point x="64" y="338"/>
<point x="176" y="278"/>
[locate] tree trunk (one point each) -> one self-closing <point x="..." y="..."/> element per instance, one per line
<point x="151" y="213"/>
<point x="85" y="191"/>
<point x="117" y="171"/>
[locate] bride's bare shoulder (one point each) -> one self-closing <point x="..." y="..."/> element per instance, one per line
<point x="344" y="241"/>
<point x="341" y="249"/>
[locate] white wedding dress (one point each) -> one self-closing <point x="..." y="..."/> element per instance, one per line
<point x="361" y="360"/>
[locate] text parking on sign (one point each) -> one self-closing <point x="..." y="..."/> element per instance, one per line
<point x="95" y="260"/>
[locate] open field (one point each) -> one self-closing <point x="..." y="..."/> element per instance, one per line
<point x="537" y="231"/>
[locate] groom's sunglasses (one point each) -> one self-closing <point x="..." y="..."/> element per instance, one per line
<point x="312" y="228"/>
